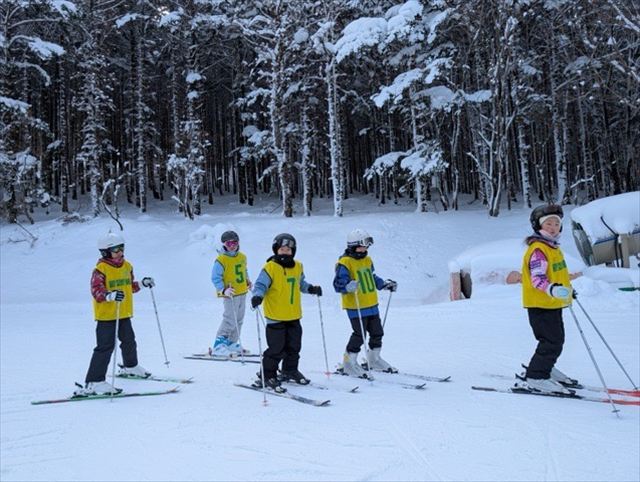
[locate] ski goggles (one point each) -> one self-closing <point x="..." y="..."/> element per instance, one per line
<point x="117" y="249"/>
<point x="289" y="243"/>
<point x="231" y="244"/>
<point x="365" y="242"/>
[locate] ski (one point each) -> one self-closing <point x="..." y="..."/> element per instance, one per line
<point x="75" y="398"/>
<point x="246" y="355"/>
<point x="220" y="358"/>
<point x="574" y="396"/>
<point x="408" y="386"/>
<point x="579" y="386"/>
<point x="290" y="396"/>
<point x="426" y="378"/>
<point x="155" y="379"/>
<point x="319" y="387"/>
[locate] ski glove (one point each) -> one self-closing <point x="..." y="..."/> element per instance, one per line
<point x="315" y="290"/>
<point x="351" y="286"/>
<point x="256" y="301"/>
<point x="148" y="282"/>
<point x="116" y="295"/>
<point x="390" y="285"/>
<point x="229" y="292"/>
<point x="556" y="290"/>
<point x="574" y="295"/>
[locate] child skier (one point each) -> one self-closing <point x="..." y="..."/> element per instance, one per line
<point x="112" y="288"/>
<point x="546" y="290"/>
<point x="279" y="285"/>
<point x="231" y="280"/>
<point x="356" y="280"/>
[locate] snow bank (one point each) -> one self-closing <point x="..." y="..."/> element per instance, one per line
<point x="620" y="212"/>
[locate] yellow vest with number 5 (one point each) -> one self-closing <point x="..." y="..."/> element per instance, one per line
<point x="234" y="273"/>
<point x="282" y="299"/>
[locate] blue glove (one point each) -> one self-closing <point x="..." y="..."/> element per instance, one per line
<point x="556" y="290"/>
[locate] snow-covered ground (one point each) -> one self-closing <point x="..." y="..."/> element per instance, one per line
<point x="212" y="430"/>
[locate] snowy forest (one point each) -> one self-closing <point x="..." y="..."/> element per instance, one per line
<point x="505" y="101"/>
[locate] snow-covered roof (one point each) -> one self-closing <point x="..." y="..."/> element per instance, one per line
<point x="621" y="213"/>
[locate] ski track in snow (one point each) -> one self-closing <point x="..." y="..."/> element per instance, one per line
<point x="215" y="431"/>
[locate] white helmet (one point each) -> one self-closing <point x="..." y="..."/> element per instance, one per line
<point x="359" y="237"/>
<point x="109" y="240"/>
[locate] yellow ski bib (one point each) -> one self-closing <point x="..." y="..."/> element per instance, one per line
<point x="361" y="271"/>
<point x="282" y="299"/>
<point x="115" y="279"/>
<point x="557" y="272"/>
<point x="234" y="273"/>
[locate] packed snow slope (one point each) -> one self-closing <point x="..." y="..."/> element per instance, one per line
<point x="212" y="430"/>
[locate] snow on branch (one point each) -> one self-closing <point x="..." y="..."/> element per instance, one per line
<point x="43" y="49"/>
<point x="14" y="104"/>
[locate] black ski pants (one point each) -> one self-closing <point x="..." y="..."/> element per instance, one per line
<point x="284" y="342"/>
<point x="372" y="326"/>
<point x="548" y="329"/>
<point x="105" y="341"/>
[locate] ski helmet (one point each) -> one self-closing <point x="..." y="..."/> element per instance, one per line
<point x="229" y="236"/>
<point x="108" y="241"/>
<point x="284" y="239"/>
<point x="359" y="237"/>
<point x="543" y="211"/>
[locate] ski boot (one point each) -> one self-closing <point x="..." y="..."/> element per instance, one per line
<point x="376" y="362"/>
<point x="134" y="372"/>
<point x="96" y="388"/>
<point x="352" y="368"/>
<point x="565" y="381"/>
<point x="294" y="376"/>
<point x="271" y="383"/>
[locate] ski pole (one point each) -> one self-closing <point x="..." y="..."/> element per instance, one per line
<point x="584" y="339"/>
<point x="635" y="387"/>
<point x="264" y="384"/>
<point x="235" y="318"/>
<point x="324" y="341"/>
<point x="155" y="308"/>
<point x="364" y="335"/>
<point x="386" y="311"/>
<point x="115" y="350"/>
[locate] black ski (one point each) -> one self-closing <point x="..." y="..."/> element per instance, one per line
<point x="202" y="356"/>
<point x="289" y="395"/>
<point x="574" y="396"/>
<point x="155" y="379"/>
<point x="75" y="398"/>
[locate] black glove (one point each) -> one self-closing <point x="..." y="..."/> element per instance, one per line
<point x="148" y="282"/>
<point x="390" y="285"/>
<point x="116" y="295"/>
<point x="256" y="301"/>
<point x="574" y="294"/>
<point x="315" y="290"/>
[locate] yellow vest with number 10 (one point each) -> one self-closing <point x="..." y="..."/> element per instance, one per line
<point x="360" y="270"/>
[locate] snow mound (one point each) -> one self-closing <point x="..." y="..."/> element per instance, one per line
<point x="620" y="212"/>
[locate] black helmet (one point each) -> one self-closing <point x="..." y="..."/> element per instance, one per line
<point x="284" y="239"/>
<point x="229" y="236"/>
<point x="542" y="211"/>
